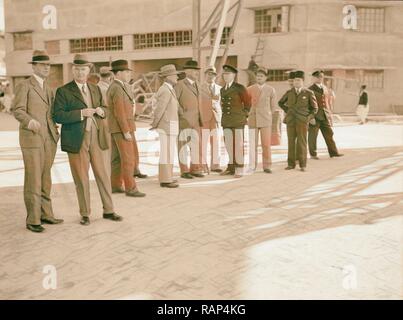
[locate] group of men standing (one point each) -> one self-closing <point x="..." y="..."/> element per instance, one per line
<point x="98" y="129"/>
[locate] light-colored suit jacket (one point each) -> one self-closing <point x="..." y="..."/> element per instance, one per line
<point x="166" y="111"/>
<point x="31" y="102"/>
<point x="188" y="97"/>
<point x="264" y="104"/>
<point x="210" y="102"/>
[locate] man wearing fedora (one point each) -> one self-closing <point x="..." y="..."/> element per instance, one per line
<point x="235" y="105"/>
<point x="190" y="122"/>
<point x="38" y="135"/>
<point x="211" y="116"/>
<point x="105" y="81"/>
<point x="323" y="118"/>
<point x="79" y="108"/>
<point x="300" y="106"/>
<point x="264" y="105"/>
<point x="166" y="122"/>
<point x="120" y="103"/>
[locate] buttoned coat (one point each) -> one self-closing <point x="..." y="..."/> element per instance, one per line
<point x="264" y="105"/>
<point x="189" y="104"/>
<point x="298" y="107"/>
<point x="235" y="106"/>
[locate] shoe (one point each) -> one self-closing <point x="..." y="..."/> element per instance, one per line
<point x="227" y="173"/>
<point x="118" y="190"/>
<point x="303" y="169"/>
<point x="289" y="168"/>
<point x="51" y="220"/>
<point x="112" y="216"/>
<point x="169" y="185"/>
<point x="140" y="175"/>
<point x="336" y="155"/>
<point x="35" y="228"/>
<point x="186" y="175"/>
<point x="238" y="176"/>
<point x="268" y="171"/>
<point x="85" y="221"/>
<point x="217" y="170"/>
<point x="197" y="175"/>
<point x="315" y="157"/>
<point x="135" y="193"/>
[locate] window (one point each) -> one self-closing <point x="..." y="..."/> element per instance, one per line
<point x="371" y="19"/>
<point x="23" y="40"/>
<point x="114" y="43"/>
<point x="372" y="78"/>
<point x="162" y="39"/>
<point x="224" y="37"/>
<point x="52" y="47"/>
<point x="277" y="75"/>
<point x="269" y="20"/>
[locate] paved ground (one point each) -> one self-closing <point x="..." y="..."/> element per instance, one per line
<point x="332" y="232"/>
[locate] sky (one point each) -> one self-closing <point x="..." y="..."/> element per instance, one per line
<point x="1" y="15"/>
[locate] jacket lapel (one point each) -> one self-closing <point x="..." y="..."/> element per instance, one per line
<point x="38" y="90"/>
<point x="191" y="87"/>
<point x="125" y="90"/>
<point x="76" y="92"/>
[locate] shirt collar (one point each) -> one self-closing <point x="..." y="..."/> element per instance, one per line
<point x="120" y="81"/>
<point x="81" y="85"/>
<point x="229" y="85"/>
<point x="191" y="81"/>
<point x="39" y="79"/>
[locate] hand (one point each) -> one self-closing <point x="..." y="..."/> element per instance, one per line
<point x="34" y="126"/>
<point x="128" y="136"/>
<point x="99" y="111"/>
<point x="312" y="122"/>
<point x="88" y="112"/>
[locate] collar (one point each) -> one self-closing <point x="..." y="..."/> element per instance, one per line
<point x="81" y="85"/>
<point x="191" y="81"/>
<point x="260" y="86"/>
<point x="229" y="85"/>
<point x="39" y="79"/>
<point x="120" y="81"/>
<point x="169" y="85"/>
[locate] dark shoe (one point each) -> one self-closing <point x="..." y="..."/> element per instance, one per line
<point x="135" y="193"/>
<point x="315" y="157"/>
<point x="51" y="221"/>
<point x="118" y="190"/>
<point x="169" y="185"/>
<point x="35" y="228"/>
<point x="268" y="171"/>
<point x="217" y="170"/>
<point x="289" y="168"/>
<point x="337" y="155"/>
<point x="227" y="173"/>
<point x="197" y="175"/>
<point x="303" y="169"/>
<point x="141" y="175"/>
<point x="112" y="216"/>
<point x="85" y="221"/>
<point x="186" y="175"/>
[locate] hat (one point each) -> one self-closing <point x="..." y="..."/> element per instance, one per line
<point x="299" y="74"/>
<point x="120" y="65"/>
<point x="262" y="70"/>
<point x="81" y="60"/>
<point x="227" y="68"/>
<point x="104" y="71"/>
<point x="191" y="64"/>
<point x="40" y="56"/>
<point x="211" y="69"/>
<point x="291" y="75"/>
<point x="168" y="70"/>
<point x="317" y="73"/>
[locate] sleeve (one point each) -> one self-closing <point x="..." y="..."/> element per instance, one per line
<point x="19" y="105"/>
<point x="162" y="100"/>
<point x="118" y="103"/>
<point x="246" y="99"/>
<point x="283" y="102"/>
<point x="178" y="91"/>
<point x="313" y="104"/>
<point x="102" y="103"/>
<point x="60" y="115"/>
<point x="273" y="99"/>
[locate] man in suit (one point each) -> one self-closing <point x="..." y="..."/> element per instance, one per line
<point x="235" y="105"/>
<point x="38" y="135"/>
<point x="79" y="108"/>
<point x="300" y="106"/>
<point x="190" y="122"/>
<point x="166" y="122"/>
<point x="322" y="119"/>
<point x="211" y="115"/>
<point x="264" y="105"/>
<point x="121" y="126"/>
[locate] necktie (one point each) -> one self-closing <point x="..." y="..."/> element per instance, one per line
<point x="85" y="96"/>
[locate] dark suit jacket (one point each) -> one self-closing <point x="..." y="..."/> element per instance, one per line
<point x="323" y="100"/>
<point x="301" y="107"/>
<point x="120" y="104"/>
<point x="31" y="102"/>
<point x="67" y="111"/>
<point x="235" y="105"/>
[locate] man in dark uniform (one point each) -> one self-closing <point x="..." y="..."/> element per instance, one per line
<point x="235" y="105"/>
<point x="300" y="106"/>
<point x="323" y="119"/>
